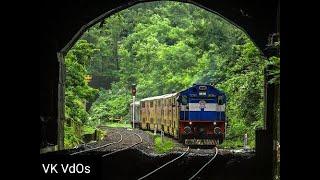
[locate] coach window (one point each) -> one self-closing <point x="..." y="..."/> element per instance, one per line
<point x="143" y="105"/>
<point x="151" y="104"/>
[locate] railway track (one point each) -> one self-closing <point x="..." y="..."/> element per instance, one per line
<point x="164" y="165"/>
<point x="99" y="147"/>
<point x="120" y="143"/>
<point x="177" y="158"/>
<point x="121" y="139"/>
<point x="134" y="144"/>
<point x="206" y="164"/>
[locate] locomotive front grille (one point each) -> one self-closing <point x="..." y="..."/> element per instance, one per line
<point x="199" y="142"/>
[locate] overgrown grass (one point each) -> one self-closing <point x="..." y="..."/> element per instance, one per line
<point x="232" y="144"/>
<point x="101" y="134"/>
<point x="162" y="146"/>
<point x="236" y="144"/>
<point x="71" y="139"/>
<point x="88" y="130"/>
<point x="117" y="125"/>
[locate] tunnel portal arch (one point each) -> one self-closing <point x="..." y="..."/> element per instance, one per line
<point x="68" y="21"/>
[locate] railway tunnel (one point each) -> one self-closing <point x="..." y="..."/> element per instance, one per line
<point x="65" y="23"/>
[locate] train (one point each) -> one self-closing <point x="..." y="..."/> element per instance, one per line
<point x="194" y="116"/>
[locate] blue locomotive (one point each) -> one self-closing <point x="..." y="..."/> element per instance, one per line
<point x="202" y="114"/>
<point x="195" y="116"/>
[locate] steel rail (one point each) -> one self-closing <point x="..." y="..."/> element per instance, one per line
<point x="205" y="164"/>
<point x="152" y="172"/>
<point x="99" y="147"/>
<point x="126" y="147"/>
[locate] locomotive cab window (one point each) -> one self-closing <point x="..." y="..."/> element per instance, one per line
<point x="220" y="100"/>
<point x="184" y="100"/>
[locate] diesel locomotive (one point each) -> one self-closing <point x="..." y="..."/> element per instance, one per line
<point x="194" y="116"/>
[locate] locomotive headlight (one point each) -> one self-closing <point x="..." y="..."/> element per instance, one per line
<point x="214" y="123"/>
<point x="217" y="130"/>
<point x="187" y="130"/>
<point x="202" y="93"/>
<point x="190" y="123"/>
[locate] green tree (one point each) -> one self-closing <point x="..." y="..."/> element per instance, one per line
<point x="77" y="91"/>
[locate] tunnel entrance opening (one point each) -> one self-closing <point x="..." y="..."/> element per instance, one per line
<point x="61" y="55"/>
<point x="101" y="20"/>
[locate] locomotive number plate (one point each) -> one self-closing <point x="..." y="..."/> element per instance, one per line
<point x="199" y="142"/>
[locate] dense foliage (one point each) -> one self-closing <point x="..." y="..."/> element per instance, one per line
<point x="164" y="47"/>
<point x="77" y="91"/>
<point x="112" y="104"/>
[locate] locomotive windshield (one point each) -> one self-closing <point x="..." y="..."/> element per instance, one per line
<point x="184" y="100"/>
<point x="220" y="100"/>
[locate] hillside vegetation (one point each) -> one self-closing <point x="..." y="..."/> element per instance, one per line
<point x="163" y="47"/>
